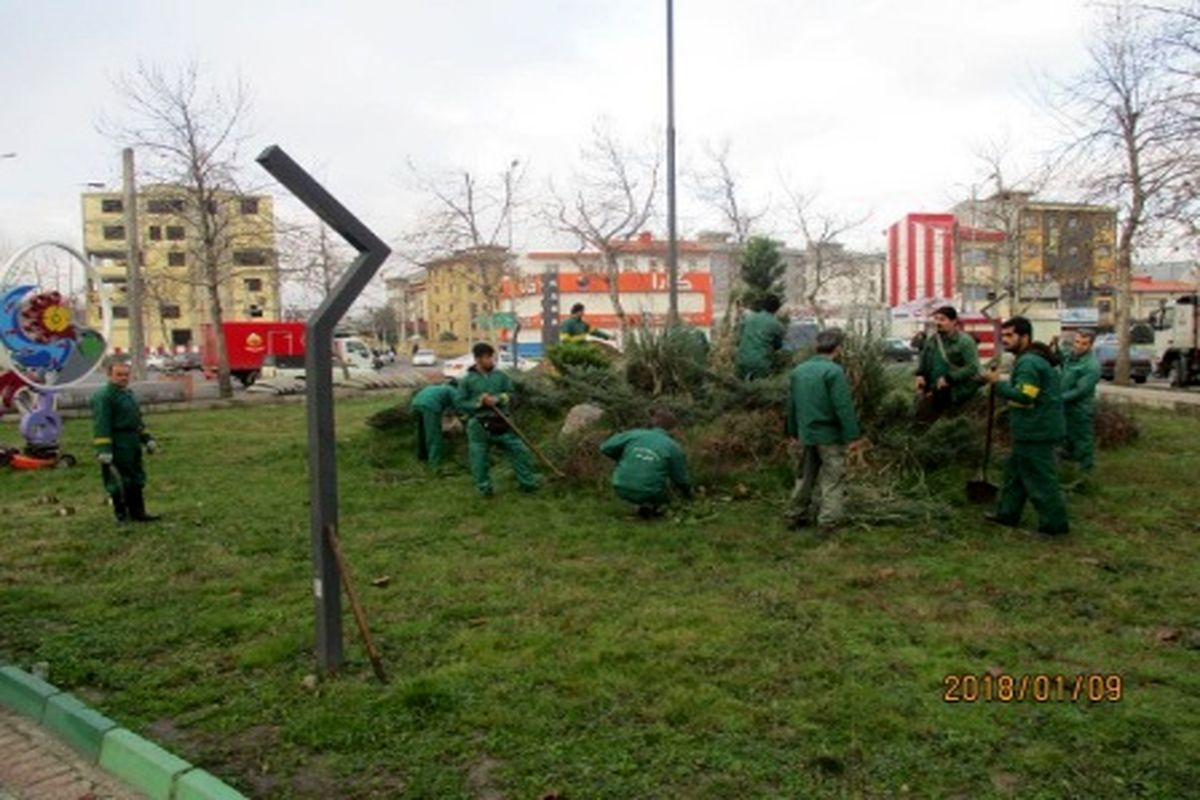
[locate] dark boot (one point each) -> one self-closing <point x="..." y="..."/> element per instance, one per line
<point x="137" y="505"/>
<point x="120" y="510"/>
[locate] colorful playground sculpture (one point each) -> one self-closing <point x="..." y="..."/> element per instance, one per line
<point x="45" y="347"/>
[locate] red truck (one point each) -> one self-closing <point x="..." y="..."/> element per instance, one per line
<point x="250" y="342"/>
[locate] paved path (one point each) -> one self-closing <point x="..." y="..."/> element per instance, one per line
<point x="36" y="766"/>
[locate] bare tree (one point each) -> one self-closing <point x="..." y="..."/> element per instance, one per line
<point x="1125" y="133"/>
<point x="718" y="186"/>
<point x="1000" y="208"/>
<point x="188" y="134"/>
<point x="825" y="259"/>
<point x="471" y="219"/>
<point x="613" y="200"/>
<point x="1178" y="42"/>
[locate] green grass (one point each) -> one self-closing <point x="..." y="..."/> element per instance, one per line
<point x="554" y="642"/>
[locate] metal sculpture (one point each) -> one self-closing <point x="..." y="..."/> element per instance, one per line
<point x="44" y="348"/>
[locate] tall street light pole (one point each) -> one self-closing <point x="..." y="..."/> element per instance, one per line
<point x="672" y="234"/>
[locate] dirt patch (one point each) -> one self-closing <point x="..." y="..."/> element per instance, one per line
<point x="480" y="779"/>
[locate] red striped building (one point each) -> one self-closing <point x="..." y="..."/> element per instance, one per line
<point x="920" y="258"/>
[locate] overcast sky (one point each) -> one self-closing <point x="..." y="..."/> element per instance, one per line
<point x="875" y="104"/>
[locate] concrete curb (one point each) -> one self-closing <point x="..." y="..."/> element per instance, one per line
<point x="140" y="763"/>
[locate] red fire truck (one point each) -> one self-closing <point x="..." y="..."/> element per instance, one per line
<point x="251" y="343"/>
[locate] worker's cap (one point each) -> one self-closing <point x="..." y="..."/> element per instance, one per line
<point x="947" y="311"/>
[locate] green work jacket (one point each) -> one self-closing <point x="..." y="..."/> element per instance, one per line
<point x="117" y="426"/>
<point x="439" y="398"/>
<point x="820" y="410"/>
<point x="576" y="330"/>
<point x="1034" y="395"/>
<point x="762" y="336"/>
<point x="647" y="459"/>
<point x="475" y="384"/>
<point x="1080" y="375"/>
<point x="959" y="365"/>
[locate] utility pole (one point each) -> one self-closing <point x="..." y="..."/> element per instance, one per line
<point x="672" y="234"/>
<point x="133" y="259"/>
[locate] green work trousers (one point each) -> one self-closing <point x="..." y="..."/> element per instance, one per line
<point x="479" y="443"/>
<point x="126" y="471"/>
<point x="640" y="498"/>
<point x="1080" y="442"/>
<point x="819" y="495"/>
<point x="429" y="436"/>
<point x="1031" y="473"/>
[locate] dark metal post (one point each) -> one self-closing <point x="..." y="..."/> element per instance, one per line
<point x="318" y="364"/>
<point x="672" y="234"/>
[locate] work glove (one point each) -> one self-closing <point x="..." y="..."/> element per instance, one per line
<point x="105" y="459"/>
<point x="151" y="446"/>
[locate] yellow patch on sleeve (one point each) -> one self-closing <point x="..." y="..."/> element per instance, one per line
<point x="1030" y="390"/>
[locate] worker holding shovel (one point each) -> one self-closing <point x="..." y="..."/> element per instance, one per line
<point x="1035" y="413"/>
<point x="483" y="394"/>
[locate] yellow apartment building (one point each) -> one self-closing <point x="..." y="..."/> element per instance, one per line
<point x="457" y="292"/>
<point x="175" y="300"/>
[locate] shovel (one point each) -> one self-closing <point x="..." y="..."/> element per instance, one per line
<point x="981" y="491"/>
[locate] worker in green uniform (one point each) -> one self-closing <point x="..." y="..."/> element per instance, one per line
<point x="948" y="370"/>
<point x="820" y="415"/>
<point x="481" y="391"/>
<point x="429" y="406"/>
<point x="760" y="339"/>
<point x="575" y="329"/>
<point x="649" y="461"/>
<point x="1035" y="412"/>
<point x="119" y="436"/>
<point x="1080" y="375"/>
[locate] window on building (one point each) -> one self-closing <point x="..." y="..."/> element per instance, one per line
<point x="114" y="232"/>
<point x="165" y="205"/>
<point x="249" y="258"/>
<point x="169" y="312"/>
<point x="1072" y="221"/>
<point x="254" y="310"/>
<point x="253" y="284"/>
<point x="1031" y="250"/>
<point x="1103" y="251"/>
<point x="155" y="233"/>
<point x="181" y="337"/>
<point x="112" y="206"/>
<point x="176" y="258"/>
<point x="120" y="312"/>
<point x="249" y="205"/>
<point x="175" y="233"/>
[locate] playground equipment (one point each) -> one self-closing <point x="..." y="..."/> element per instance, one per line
<point x="46" y="347"/>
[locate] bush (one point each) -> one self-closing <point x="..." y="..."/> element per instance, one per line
<point x="570" y="356"/>
<point x="1114" y="427"/>
<point x="671" y="361"/>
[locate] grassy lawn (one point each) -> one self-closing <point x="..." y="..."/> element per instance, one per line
<point x="555" y="643"/>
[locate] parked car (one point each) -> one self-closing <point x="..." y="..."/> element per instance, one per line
<point x="896" y="349"/>
<point x="184" y="362"/>
<point x="1141" y="358"/>
<point x="457" y="367"/>
<point x="424" y="358"/>
<point x="157" y="362"/>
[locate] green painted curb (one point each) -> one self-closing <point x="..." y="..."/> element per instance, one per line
<point x="143" y="765"/>
<point x="76" y="724"/>
<point x="201" y="785"/>
<point x="24" y="693"/>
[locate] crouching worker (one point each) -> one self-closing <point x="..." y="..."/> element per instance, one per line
<point x="119" y="436"/>
<point x="648" y="462"/>
<point x="482" y="392"/>
<point x="429" y="406"/>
